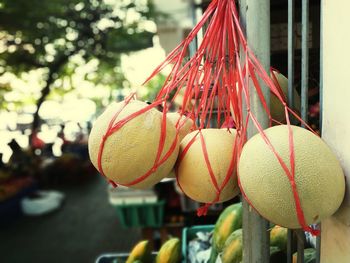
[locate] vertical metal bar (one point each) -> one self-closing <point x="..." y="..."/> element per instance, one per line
<point x="193" y="45"/>
<point x="304" y="59"/>
<point x="289" y="245"/>
<point x="301" y="243"/>
<point x="321" y="64"/>
<point x="255" y="18"/>
<point x="291" y="46"/>
<point x="318" y="246"/>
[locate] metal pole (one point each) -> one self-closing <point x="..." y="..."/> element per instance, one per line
<point x="318" y="246"/>
<point x="289" y="245"/>
<point x="193" y="45"/>
<point x="291" y="46"/>
<point x="255" y="16"/>
<point x="321" y="64"/>
<point x="301" y="243"/>
<point x="304" y="59"/>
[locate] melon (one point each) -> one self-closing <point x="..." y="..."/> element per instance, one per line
<point x="131" y="151"/>
<point x="318" y="175"/>
<point x="276" y="106"/>
<point x="193" y="174"/>
<point x="185" y="124"/>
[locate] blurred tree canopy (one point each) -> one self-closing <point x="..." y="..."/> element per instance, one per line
<point x="46" y="35"/>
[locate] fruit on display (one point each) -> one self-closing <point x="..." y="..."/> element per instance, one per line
<point x="233" y="248"/>
<point x="319" y="177"/>
<point x="276" y="107"/>
<point x="140" y="252"/>
<point x="194" y="176"/>
<point x="184" y="124"/>
<point x="170" y="252"/>
<point x="309" y="256"/>
<point x="278" y="237"/>
<point x="229" y="220"/>
<point x="130" y="151"/>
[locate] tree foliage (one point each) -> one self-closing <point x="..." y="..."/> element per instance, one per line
<point x="46" y="35"/>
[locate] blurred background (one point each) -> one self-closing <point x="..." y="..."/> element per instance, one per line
<point x="61" y="63"/>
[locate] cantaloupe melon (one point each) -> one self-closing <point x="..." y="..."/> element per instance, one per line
<point x="130" y="152"/>
<point x="318" y="175"/>
<point x="276" y="106"/>
<point x="193" y="175"/>
<point x="184" y="124"/>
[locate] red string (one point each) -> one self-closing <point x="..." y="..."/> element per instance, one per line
<point x="113" y="127"/>
<point x="217" y="80"/>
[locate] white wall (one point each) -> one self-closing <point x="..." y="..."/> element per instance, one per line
<point x="171" y="32"/>
<point x="335" y="246"/>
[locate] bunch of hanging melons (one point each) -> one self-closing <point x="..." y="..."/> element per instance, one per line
<point x="205" y="165"/>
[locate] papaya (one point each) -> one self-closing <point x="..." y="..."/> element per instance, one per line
<point x="309" y="256"/>
<point x="229" y="220"/>
<point x="170" y="252"/>
<point x="232" y="250"/>
<point x="141" y="252"/>
<point x="278" y="237"/>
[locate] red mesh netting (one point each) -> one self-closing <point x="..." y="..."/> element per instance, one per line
<point x="215" y="81"/>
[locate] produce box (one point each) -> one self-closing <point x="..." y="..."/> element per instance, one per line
<point x="116" y="257"/>
<point x="190" y="233"/>
<point x="124" y="196"/>
<point x="137" y="208"/>
<point x="141" y="214"/>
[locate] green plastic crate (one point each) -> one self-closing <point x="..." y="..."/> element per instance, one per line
<point x="117" y="257"/>
<point x="141" y="215"/>
<point x="189" y="233"/>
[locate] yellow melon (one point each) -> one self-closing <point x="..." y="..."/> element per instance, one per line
<point x="276" y="106"/>
<point x="318" y="175"/>
<point x="193" y="174"/>
<point x="130" y="152"/>
<point x="184" y="123"/>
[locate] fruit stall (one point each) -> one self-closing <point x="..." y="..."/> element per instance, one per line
<point x="225" y="124"/>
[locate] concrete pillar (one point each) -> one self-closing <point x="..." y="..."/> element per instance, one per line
<point x="335" y="239"/>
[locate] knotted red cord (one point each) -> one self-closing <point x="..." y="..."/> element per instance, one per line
<point x="115" y="126"/>
<point x="216" y="80"/>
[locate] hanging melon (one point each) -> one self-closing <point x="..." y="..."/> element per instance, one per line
<point x="276" y="106"/>
<point x="319" y="177"/>
<point x="184" y="124"/>
<point x="193" y="172"/>
<point x="130" y="152"/>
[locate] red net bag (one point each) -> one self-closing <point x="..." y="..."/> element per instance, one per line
<point x="214" y="81"/>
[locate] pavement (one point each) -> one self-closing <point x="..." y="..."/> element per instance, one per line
<point x="85" y="227"/>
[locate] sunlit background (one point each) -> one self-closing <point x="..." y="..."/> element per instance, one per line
<point x="86" y="82"/>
